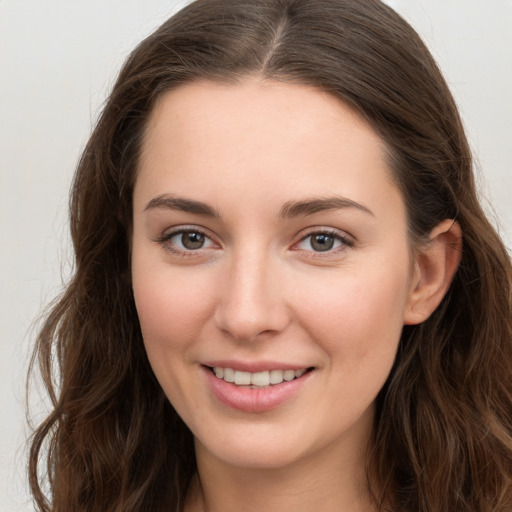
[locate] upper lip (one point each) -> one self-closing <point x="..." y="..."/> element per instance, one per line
<point x="254" y="366"/>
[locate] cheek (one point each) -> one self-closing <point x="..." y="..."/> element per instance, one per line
<point x="172" y="313"/>
<point x="172" y="306"/>
<point x="359" y="316"/>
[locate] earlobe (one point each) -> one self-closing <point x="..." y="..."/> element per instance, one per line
<point x="434" y="268"/>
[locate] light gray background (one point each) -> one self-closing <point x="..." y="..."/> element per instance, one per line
<point x="58" y="59"/>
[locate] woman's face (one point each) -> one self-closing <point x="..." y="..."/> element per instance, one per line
<point x="269" y="244"/>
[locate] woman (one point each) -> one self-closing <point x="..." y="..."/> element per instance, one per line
<point x="286" y="294"/>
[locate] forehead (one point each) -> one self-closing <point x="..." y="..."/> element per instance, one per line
<point x="254" y="109"/>
<point x="260" y="137"/>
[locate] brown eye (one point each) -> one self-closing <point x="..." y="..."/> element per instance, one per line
<point x="185" y="241"/>
<point x="324" y="241"/>
<point x="321" y="242"/>
<point x="192" y="240"/>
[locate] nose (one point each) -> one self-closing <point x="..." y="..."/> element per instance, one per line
<point x="252" y="303"/>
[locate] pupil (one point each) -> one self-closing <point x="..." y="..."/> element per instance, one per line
<point x="322" y="242"/>
<point x="192" y="240"/>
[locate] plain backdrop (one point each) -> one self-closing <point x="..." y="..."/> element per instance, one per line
<point x="58" y="59"/>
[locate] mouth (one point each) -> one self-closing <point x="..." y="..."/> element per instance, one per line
<point x="256" y="380"/>
<point x="265" y="388"/>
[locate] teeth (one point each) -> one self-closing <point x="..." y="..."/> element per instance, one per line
<point x="229" y="374"/>
<point x="288" y="375"/>
<point x="276" y="376"/>
<point x="242" y="378"/>
<point x="258" y="379"/>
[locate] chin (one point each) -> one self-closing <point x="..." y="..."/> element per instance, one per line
<point x="252" y="447"/>
<point x="254" y="455"/>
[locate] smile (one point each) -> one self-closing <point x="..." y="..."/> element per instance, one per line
<point x="257" y="379"/>
<point x="256" y="391"/>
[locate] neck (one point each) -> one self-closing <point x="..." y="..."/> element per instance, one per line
<point x="319" y="482"/>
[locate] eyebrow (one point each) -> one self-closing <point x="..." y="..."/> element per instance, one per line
<point x="289" y="210"/>
<point x="181" y="204"/>
<point x="315" y="205"/>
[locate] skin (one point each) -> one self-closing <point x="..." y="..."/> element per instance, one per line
<point x="258" y="291"/>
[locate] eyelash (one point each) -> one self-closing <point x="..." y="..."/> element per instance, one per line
<point x="331" y="233"/>
<point x="335" y="235"/>
<point x="165" y="238"/>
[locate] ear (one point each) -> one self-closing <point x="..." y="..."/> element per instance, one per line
<point x="435" y="265"/>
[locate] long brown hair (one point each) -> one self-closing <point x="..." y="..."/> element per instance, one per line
<point x="443" y="429"/>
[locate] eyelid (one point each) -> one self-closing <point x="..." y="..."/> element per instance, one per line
<point x="171" y="232"/>
<point x="347" y="241"/>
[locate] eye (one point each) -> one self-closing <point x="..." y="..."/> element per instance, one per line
<point x="323" y="241"/>
<point x="186" y="240"/>
<point x="190" y="240"/>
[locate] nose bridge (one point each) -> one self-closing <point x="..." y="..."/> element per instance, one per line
<point x="251" y="301"/>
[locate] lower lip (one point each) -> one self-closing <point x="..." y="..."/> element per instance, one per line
<point x="255" y="399"/>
